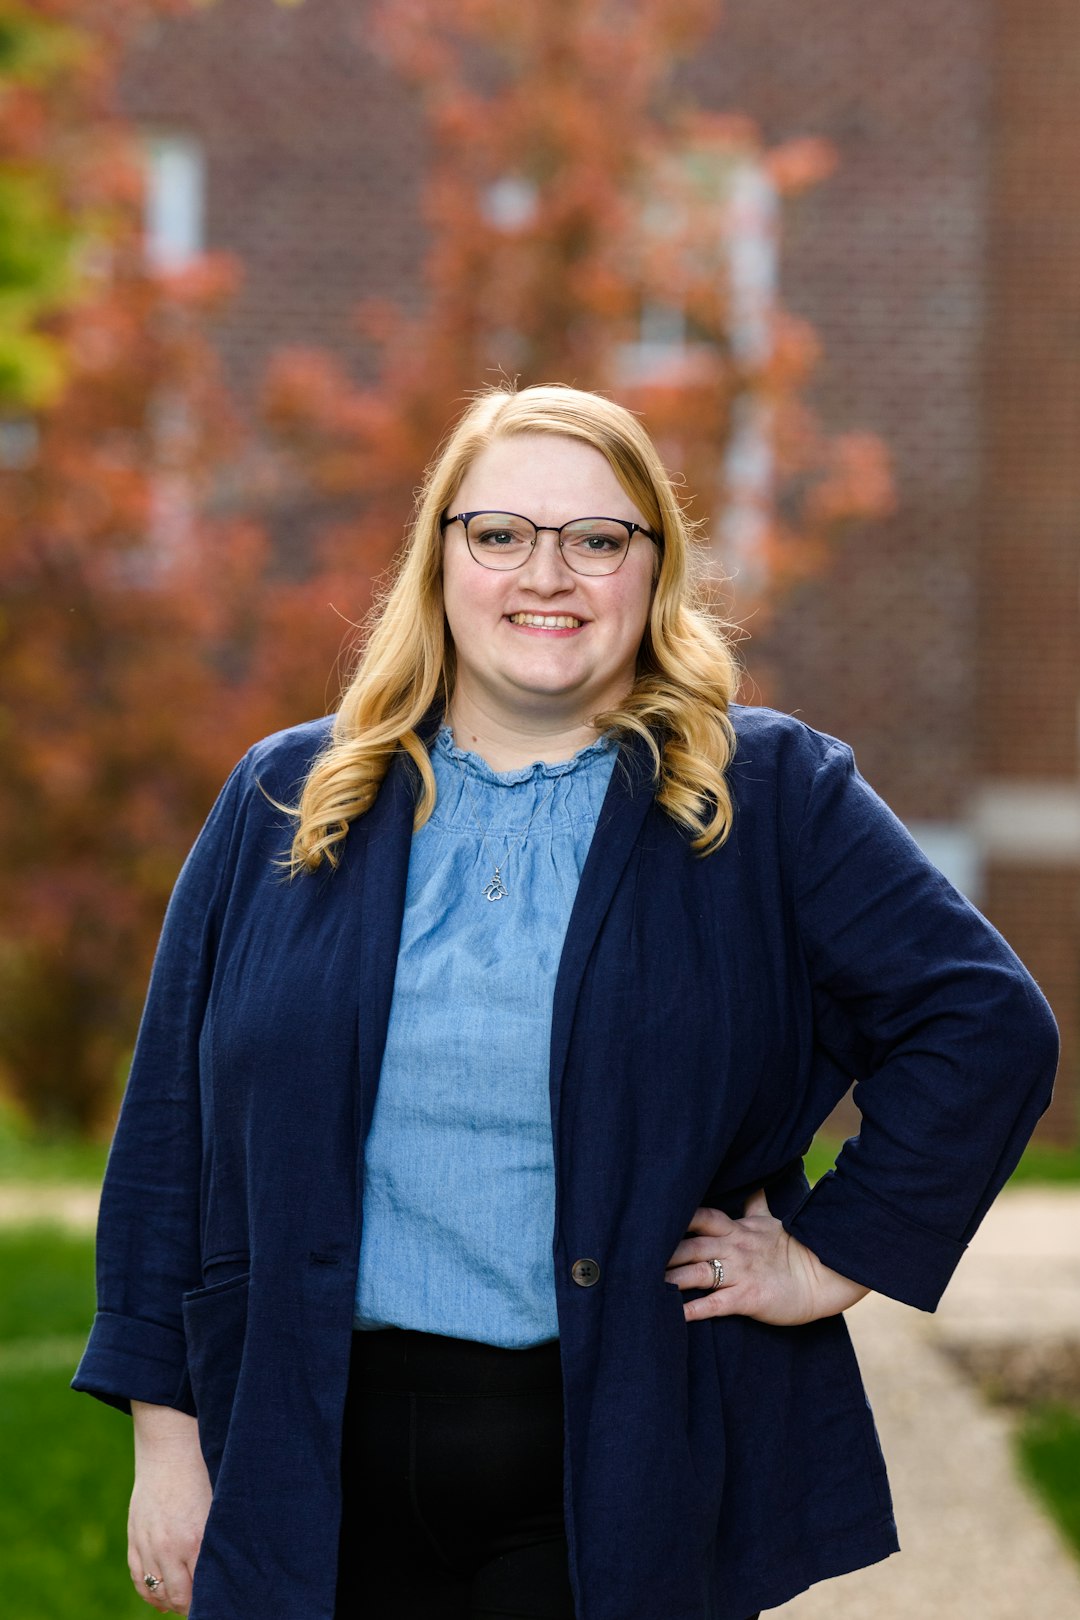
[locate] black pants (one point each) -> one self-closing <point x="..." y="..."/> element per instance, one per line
<point x="452" y="1477"/>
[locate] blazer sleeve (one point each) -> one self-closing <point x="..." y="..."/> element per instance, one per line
<point x="148" y="1234"/>
<point x="953" y="1045"/>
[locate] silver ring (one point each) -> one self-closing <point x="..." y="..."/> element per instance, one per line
<point x="152" y="1581"/>
<point x="718" y="1274"/>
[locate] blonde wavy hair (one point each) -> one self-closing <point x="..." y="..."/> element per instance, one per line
<point x="686" y="670"/>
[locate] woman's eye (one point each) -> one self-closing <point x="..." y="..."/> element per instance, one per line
<point x="597" y="542"/>
<point x="498" y="537"/>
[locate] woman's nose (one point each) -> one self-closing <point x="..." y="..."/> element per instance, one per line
<point x="546" y="569"/>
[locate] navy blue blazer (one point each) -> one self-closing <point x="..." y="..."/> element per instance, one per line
<point x="708" y="1014"/>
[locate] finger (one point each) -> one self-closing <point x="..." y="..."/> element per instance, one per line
<point x="711" y="1222"/>
<point x="155" y="1599"/>
<point x="715" y="1244"/>
<point x="176" y="1590"/>
<point x="184" y="1586"/>
<point x="163" y="1596"/>
<point x="700" y="1274"/>
<point x="723" y="1301"/>
<point x="688" y="1251"/>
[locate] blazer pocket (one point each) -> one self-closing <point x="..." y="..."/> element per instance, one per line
<point x="226" y="1266"/>
<point x="219" y="1286"/>
<point x="215" y="1327"/>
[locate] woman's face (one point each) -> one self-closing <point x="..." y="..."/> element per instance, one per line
<point x="545" y="670"/>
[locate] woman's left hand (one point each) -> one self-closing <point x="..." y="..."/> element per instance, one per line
<point x="768" y="1274"/>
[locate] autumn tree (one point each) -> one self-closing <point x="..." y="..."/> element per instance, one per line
<point x="131" y="610"/>
<point x="585" y="223"/>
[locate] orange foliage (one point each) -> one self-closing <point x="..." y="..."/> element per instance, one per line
<point x="573" y="194"/>
<point x="132" y="621"/>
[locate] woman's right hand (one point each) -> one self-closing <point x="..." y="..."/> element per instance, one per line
<point x="169" y="1505"/>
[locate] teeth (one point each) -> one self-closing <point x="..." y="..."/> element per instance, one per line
<point x="546" y="621"/>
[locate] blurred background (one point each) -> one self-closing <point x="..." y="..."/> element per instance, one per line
<point x="253" y="258"/>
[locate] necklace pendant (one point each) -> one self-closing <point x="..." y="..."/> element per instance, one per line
<point x="496" y="889"/>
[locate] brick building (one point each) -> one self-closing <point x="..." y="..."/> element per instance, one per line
<point x="941" y="266"/>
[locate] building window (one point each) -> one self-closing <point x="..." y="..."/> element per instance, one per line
<point x="174" y="235"/>
<point x="733" y="191"/>
<point x="175" y="200"/>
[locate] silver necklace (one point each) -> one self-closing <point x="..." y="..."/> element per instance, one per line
<point x="495" y="888"/>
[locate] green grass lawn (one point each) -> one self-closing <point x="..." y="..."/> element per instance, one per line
<point x="1048" y="1444"/>
<point x="66" y="1475"/>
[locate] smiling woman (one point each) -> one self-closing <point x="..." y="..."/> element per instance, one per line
<point x="456" y="1255"/>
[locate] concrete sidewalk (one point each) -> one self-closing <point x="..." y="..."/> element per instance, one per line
<point x="975" y="1543"/>
<point x="29" y="1201"/>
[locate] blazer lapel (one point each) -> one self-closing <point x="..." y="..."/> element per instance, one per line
<point x="629" y="796"/>
<point x="381" y="852"/>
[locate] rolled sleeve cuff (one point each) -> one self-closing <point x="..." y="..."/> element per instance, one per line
<point x="129" y="1360"/>
<point x="855" y="1234"/>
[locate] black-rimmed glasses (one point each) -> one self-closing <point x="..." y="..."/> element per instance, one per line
<point x="590" y="545"/>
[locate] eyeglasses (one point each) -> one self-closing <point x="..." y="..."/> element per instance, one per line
<point x="590" y="545"/>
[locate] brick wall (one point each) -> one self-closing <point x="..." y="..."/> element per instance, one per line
<point x="941" y="267"/>
<point x="314" y="158"/>
<point x="1028" y="650"/>
<point x="887" y="260"/>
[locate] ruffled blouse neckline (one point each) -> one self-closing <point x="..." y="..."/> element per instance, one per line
<point x="477" y="766"/>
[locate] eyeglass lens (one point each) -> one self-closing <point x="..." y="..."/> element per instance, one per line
<point x="590" y="546"/>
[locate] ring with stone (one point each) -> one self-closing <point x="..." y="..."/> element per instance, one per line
<point x="718" y="1274"/>
<point x="152" y="1581"/>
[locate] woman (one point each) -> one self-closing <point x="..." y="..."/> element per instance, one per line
<point x="455" y="1252"/>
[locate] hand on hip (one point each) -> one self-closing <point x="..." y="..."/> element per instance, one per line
<point x="753" y="1267"/>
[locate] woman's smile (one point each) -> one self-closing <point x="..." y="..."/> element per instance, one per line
<point x="559" y="623"/>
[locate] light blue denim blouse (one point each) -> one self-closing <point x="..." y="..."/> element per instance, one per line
<point x="459" y="1185"/>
